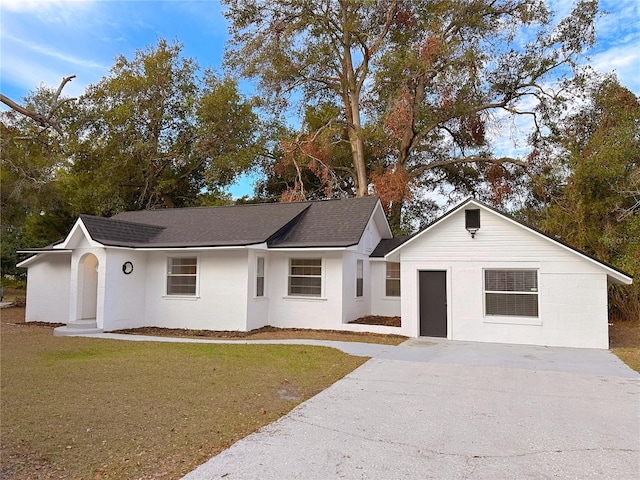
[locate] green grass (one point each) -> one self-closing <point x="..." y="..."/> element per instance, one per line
<point x="90" y="408"/>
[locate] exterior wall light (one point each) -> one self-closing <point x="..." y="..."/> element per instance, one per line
<point x="472" y="221"/>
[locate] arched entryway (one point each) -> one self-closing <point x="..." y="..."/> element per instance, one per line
<point x="84" y="320"/>
<point x="88" y="287"/>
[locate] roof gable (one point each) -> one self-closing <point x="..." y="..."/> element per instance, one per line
<point x="615" y="274"/>
<point x="78" y="235"/>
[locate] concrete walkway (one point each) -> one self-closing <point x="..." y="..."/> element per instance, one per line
<point x="432" y="408"/>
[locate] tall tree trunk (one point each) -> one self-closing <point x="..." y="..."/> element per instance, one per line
<point x="351" y="98"/>
<point x="357" y="152"/>
<point x="394" y="216"/>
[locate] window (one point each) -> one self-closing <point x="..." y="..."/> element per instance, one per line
<point x="511" y="293"/>
<point x="182" y="274"/>
<point x="393" y="279"/>
<point x="359" y="278"/>
<point x="260" y="277"/>
<point x="305" y="277"/>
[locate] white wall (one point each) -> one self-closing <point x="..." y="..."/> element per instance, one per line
<point x="258" y="307"/>
<point x="125" y="298"/>
<point x="355" y="307"/>
<point x="48" y="281"/>
<point x="380" y="303"/>
<point x="221" y="303"/>
<point x="301" y="312"/>
<point x="572" y="291"/>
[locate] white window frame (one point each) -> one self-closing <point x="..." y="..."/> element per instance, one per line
<point x="359" y="278"/>
<point x="533" y="291"/>
<point x="387" y="277"/>
<point x="320" y="276"/>
<point x="170" y="274"/>
<point x="260" y="287"/>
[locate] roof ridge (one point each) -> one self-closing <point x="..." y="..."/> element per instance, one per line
<point x="237" y="205"/>
<point x="111" y="219"/>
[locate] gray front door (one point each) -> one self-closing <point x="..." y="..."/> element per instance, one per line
<point x="433" y="303"/>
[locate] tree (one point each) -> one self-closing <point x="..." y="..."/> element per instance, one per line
<point x="48" y="117"/>
<point x="320" y="49"/>
<point x="589" y="195"/>
<point x="429" y="73"/>
<point x="152" y="134"/>
<point x="313" y="163"/>
<point x="33" y="211"/>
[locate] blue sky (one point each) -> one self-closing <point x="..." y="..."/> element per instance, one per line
<point x="42" y="41"/>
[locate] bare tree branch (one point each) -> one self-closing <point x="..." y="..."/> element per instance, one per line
<point x="44" y="121"/>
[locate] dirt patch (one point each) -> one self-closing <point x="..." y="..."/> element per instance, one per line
<point x="269" y="333"/>
<point x="14" y="317"/>
<point x="624" y="341"/>
<point x="378" y="320"/>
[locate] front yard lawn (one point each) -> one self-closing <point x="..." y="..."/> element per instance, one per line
<point x="81" y="408"/>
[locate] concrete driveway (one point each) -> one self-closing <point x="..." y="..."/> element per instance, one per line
<point x="455" y="410"/>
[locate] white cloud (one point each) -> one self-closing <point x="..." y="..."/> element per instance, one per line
<point x="624" y="61"/>
<point x="40" y="6"/>
<point x="51" y="52"/>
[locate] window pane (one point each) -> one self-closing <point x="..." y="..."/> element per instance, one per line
<point x="359" y="278"/>
<point x="183" y="266"/>
<point x="305" y="286"/>
<point x="181" y="285"/>
<point x="305" y="277"/>
<point x="260" y="267"/>
<point x="512" y="304"/>
<point x="182" y="276"/>
<point x="393" y="287"/>
<point x="511" y="280"/>
<point x="309" y="271"/>
<point x="393" y="270"/>
<point x="260" y="277"/>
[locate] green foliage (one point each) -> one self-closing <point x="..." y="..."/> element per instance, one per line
<point x="596" y="206"/>
<point x="153" y="133"/>
<point x="421" y="81"/>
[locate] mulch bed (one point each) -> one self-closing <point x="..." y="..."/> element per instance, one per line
<point x="185" y="332"/>
<point x="378" y="320"/>
<point x="15" y="317"/>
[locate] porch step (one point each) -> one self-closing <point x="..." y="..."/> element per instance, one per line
<point x="77" y="327"/>
<point x="83" y="324"/>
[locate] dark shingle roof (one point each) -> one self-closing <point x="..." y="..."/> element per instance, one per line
<point x="388" y="244"/>
<point x="331" y="223"/>
<point x="115" y="232"/>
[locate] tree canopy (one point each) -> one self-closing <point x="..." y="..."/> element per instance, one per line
<point x="401" y="98"/>
<point x="427" y="76"/>
<point x="589" y="192"/>
<point x="156" y="132"/>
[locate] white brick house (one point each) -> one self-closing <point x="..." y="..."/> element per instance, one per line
<point x="321" y="265"/>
